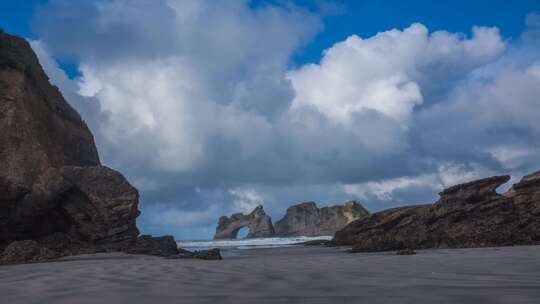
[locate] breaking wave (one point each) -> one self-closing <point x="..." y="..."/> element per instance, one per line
<point x="243" y="244"/>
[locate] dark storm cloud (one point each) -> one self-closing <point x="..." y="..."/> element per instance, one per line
<point x="106" y="30"/>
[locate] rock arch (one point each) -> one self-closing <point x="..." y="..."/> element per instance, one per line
<point x="258" y="222"/>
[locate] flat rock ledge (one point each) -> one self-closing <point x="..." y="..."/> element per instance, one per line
<point x="32" y="251"/>
<point x="466" y="216"/>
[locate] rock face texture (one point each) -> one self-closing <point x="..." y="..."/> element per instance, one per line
<point x="301" y="220"/>
<point x="160" y="246"/>
<point x="307" y="220"/>
<point x="55" y="197"/>
<point x="50" y="174"/>
<point x="466" y="215"/>
<point x="38" y="126"/>
<point x="259" y="223"/>
<point x="27" y="251"/>
<point x="211" y="254"/>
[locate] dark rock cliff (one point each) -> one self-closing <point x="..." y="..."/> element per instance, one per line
<point x="307" y="220"/>
<point x="38" y="126"/>
<point x="53" y="190"/>
<point x="466" y="215"/>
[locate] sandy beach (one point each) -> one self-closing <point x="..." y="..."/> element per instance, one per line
<point x="284" y="275"/>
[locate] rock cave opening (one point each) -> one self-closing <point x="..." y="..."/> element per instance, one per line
<point x="242" y="233"/>
<point x="60" y="218"/>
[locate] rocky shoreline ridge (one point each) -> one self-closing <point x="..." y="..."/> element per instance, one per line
<point x="467" y="215"/>
<point x="304" y="219"/>
<point x="56" y="198"/>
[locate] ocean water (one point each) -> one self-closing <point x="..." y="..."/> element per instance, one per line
<point x="246" y="244"/>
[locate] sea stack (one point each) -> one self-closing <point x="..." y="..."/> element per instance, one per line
<point x="259" y="223"/>
<point x="306" y="219"/>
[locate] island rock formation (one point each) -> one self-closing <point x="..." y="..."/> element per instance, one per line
<point x="467" y="215"/>
<point x="307" y="220"/>
<point x="259" y="223"/>
<point x="55" y="196"/>
<point x="301" y="220"/>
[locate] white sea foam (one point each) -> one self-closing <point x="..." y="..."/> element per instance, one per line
<point x="248" y="243"/>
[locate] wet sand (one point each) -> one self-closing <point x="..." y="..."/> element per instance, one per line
<point x="283" y="275"/>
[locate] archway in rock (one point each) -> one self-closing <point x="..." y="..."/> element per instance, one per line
<point x="258" y="222"/>
<point x="242" y="233"/>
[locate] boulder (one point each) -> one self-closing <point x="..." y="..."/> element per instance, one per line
<point x="28" y="251"/>
<point x="259" y="223"/>
<point x="467" y="215"/>
<point x="212" y="254"/>
<point x="307" y="219"/>
<point x="161" y="246"/>
<point x="101" y="203"/>
<point x="91" y="204"/>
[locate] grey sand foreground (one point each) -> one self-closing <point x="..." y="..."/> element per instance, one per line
<point x="284" y="275"/>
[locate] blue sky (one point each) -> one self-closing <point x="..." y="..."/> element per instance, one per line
<point x="362" y="17"/>
<point x="213" y="107"/>
<point x="366" y="18"/>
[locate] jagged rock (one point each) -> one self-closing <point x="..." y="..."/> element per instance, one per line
<point x="53" y="190"/>
<point x="259" y="223"/>
<point x="50" y="175"/>
<point x="527" y="191"/>
<point x="92" y="204"/>
<point x="307" y="220"/>
<point x="28" y="251"/>
<point x="472" y="192"/>
<point x="466" y="215"/>
<point x="101" y="202"/>
<point x="161" y="246"/>
<point x="212" y="254"/>
<point x="39" y="128"/>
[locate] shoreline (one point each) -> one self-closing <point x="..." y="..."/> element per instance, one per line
<point x="284" y="275"/>
<point x="247" y="243"/>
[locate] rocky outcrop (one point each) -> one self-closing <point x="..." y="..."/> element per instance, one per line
<point x="259" y="223"/>
<point x="55" y="197"/>
<point x="212" y="254"/>
<point x="301" y="220"/>
<point x="466" y="215"/>
<point x="38" y="126"/>
<point x="51" y="179"/>
<point x="93" y="204"/>
<point x="307" y="220"/>
<point x="28" y="251"/>
<point x="164" y="246"/>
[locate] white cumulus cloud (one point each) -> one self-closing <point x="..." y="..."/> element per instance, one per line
<point x="388" y="73"/>
<point x="197" y="103"/>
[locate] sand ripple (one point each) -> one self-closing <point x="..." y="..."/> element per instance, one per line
<point x="283" y="275"/>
